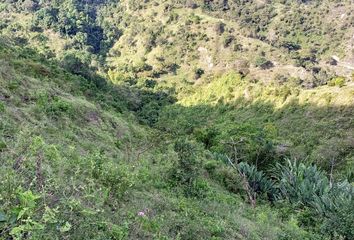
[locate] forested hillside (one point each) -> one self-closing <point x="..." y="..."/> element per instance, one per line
<point x="176" y="119"/>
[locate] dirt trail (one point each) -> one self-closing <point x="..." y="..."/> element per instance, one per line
<point x="346" y="65"/>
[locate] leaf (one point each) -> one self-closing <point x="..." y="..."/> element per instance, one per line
<point x="3" y="217"/>
<point x="49" y="215"/>
<point x="21" y="213"/>
<point x="65" y="228"/>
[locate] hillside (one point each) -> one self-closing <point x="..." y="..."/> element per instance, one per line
<point x="264" y="41"/>
<point x="73" y="167"/>
<point x="176" y="119"/>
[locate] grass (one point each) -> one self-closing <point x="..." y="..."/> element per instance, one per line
<point x="82" y="158"/>
<point x="72" y="169"/>
<point x="305" y="121"/>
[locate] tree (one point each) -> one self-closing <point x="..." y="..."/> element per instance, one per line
<point x="30" y="5"/>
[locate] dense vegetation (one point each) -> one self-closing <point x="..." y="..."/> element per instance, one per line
<point x="177" y="119"/>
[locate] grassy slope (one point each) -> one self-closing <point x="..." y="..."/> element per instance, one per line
<point x="313" y="125"/>
<point x="72" y="169"/>
<point x="88" y="152"/>
<point x="160" y="34"/>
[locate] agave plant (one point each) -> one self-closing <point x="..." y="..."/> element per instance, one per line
<point x="300" y="183"/>
<point x="341" y="194"/>
<point x="336" y="208"/>
<point x="257" y="180"/>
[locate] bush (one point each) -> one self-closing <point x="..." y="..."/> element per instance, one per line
<point x="58" y="107"/>
<point x="2" y="107"/>
<point x="118" y="178"/>
<point x="53" y="106"/>
<point x="229" y="178"/>
<point x="23" y="218"/>
<point x="258" y="181"/>
<point x="211" y="166"/>
<point x="186" y="170"/>
<point x="300" y="183"/>
<point x="30" y="5"/>
<point x="149" y="83"/>
<point x="242" y="67"/>
<point x="228" y="40"/>
<point x="199" y="189"/>
<point x="2" y="145"/>
<point x="219" y="28"/>
<point x="74" y="64"/>
<point x="149" y="114"/>
<point x="263" y="63"/>
<point x="337" y="81"/>
<point x="335" y="207"/>
<point x="198" y="72"/>
<point x="207" y="136"/>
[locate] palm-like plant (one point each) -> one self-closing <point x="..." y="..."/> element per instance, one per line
<point x="308" y="186"/>
<point x="300" y="183"/>
<point x="257" y="180"/>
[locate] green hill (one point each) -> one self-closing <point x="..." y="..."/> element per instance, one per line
<point x="176" y="119"/>
<point x="73" y="167"/>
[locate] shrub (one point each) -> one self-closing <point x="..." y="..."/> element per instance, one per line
<point x="291" y="46"/>
<point x="339" y="223"/>
<point x="200" y="188"/>
<point x="2" y="145"/>
<point x="211" y="166"/>
<point x="30" y="5"/>
<point x="22" y="220"/>
<point x="228" y="40"/>
<point x="207" y="136"/>
<point x="149" y="114"/>
<point x="193" y="19"/>
<point x="253" y="144"/>
<point x="198" y="72"/>
<point x="186" y="170"/>
<point x="118" y="178"/>
<point x="219" y="28"/>
<point x="58" y="107"/>
<point x="53" y="106"/>
<point x="149" y="83"/>
<point x="263" y="63"/>
<point x="222" y="173"/>
<point x="337" y="81"/>
<point x="73" y="62"/>
<point x="2" y="107"/>
<point x="191" y="4"/>
<point x="335" y="207"/>
<point x="300" y="183"/>
<point x="242" y="67"/>
<point x="258" y="181"/>
<point x="229" y="178"/>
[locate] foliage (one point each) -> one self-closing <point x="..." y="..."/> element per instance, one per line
<point x="187" y="169"/>
<point x="308" y="186"/>
<point x="2" y="107"/>
<point x="300" y="183"/>
<point x="142" y="155"/>
<point x="337" y="81"/>
<point x="258" y="181"/>
<point x="335" y="207"/>
<point x="263" y="63"/>
<point x="198" y="72"/>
